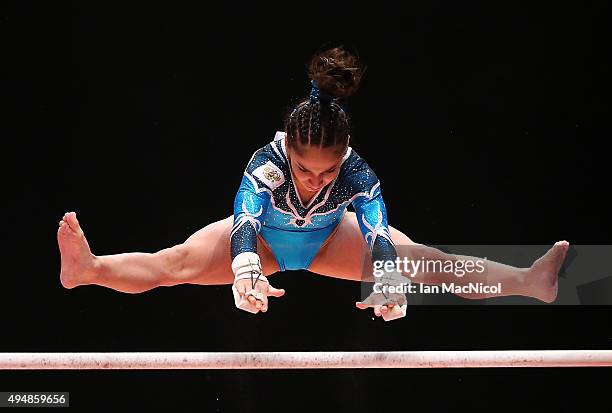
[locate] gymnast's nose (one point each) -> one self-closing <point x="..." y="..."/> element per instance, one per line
<point x="317" y="182"/>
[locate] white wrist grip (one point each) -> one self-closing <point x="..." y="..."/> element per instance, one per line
<point x="247" y="266"/>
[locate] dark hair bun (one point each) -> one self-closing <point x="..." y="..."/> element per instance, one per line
<point x="337" y="71"/>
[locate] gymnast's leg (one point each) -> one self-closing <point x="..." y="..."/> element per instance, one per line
<point x="204" y="258"/>
<point x="538" y="281"/>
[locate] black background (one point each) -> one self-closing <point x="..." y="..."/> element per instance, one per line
<point x="486" y="123"/>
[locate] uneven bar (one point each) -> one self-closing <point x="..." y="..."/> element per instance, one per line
<point x="306" y="360"/>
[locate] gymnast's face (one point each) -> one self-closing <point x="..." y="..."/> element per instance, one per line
<point x="315" y="167"/>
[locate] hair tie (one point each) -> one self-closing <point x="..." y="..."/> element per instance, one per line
<point x="317" y="95"/>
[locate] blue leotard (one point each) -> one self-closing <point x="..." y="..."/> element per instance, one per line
<point x="268" y="203"/>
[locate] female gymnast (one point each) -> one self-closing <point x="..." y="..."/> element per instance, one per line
<point x="290" y="213"/>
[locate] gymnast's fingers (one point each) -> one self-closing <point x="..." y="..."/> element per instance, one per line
<point x="276" y="292"/>
<point x="241" y="287"/>
<point x="261" y="299"/>
<point x="263" y="304"/>
<point x="377" y="310"/>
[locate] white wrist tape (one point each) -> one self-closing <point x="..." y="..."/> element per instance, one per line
<point x="247" y="266"/>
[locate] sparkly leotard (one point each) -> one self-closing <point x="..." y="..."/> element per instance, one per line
<point x="267" y="203"/>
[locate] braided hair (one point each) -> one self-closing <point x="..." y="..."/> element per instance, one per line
<point x="320" y="120"/>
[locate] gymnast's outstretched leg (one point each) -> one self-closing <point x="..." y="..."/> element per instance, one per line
<point x="204" y="258"/>
<point x="538" y="281"/>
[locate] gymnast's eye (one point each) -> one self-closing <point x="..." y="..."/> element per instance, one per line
<point x="302" y="169"/>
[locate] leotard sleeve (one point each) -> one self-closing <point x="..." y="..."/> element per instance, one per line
<point x="372" y="215"/>
<point x="249" y="206"/>
<point x="251" y="202"/>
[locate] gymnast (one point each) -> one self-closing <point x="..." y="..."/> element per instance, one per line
<point x="290" y="213"/>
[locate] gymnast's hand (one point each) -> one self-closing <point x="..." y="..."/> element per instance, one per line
<point x="258" y="296"/>
<point x="390" y="306"/>
<point x="378" y="309"/>
<point x="386" y="298"/>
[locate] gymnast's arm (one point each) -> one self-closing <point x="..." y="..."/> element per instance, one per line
<point x="371" y="215"/>
<point x="249" y="208"/>
<point x="372" y="218"/>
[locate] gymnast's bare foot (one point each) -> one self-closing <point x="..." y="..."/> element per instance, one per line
<point x="543" y="274"/>
<point x="78" y="263"/>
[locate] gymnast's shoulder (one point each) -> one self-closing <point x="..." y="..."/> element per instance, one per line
<point x="268" y="167"/>
<point x="274" y="152"/>
<point x="356" y="173"/>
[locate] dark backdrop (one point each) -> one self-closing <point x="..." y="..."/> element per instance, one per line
<point x="486" y="124"/>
